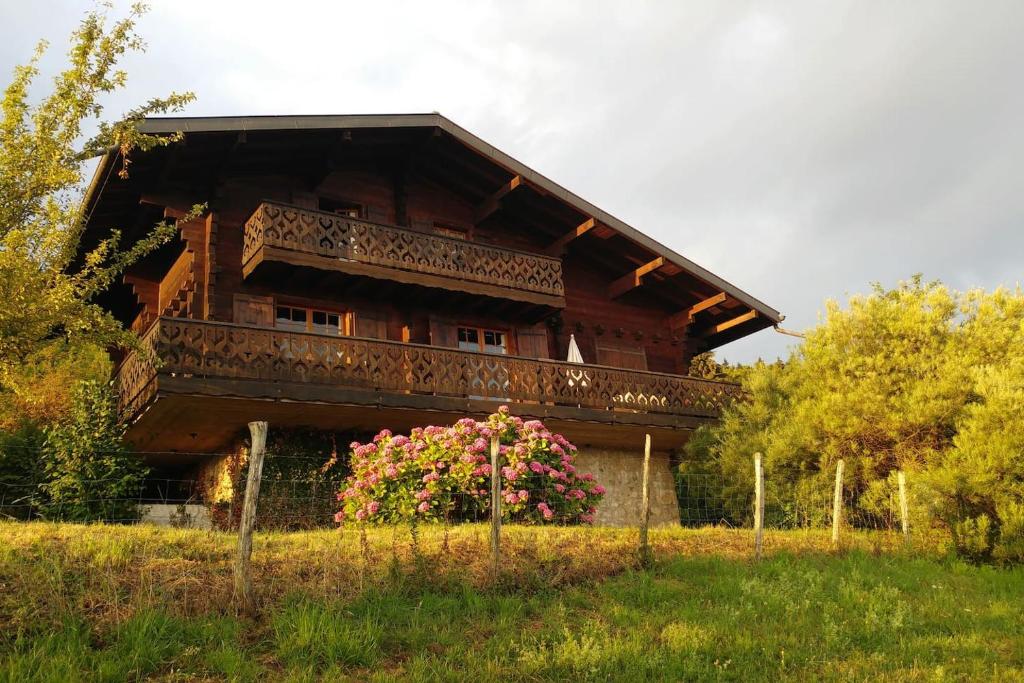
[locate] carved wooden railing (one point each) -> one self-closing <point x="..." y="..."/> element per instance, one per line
<point x="135" y="380"/>
<point x="342" y="237"/>
<point x="221" y="350"/>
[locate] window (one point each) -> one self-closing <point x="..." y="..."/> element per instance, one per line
<point x="479" y="339"/>
<point x="344" y="208"/>
<point x="301" y="319"/>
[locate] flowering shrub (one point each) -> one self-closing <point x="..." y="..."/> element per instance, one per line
<point x="439" y="473"/>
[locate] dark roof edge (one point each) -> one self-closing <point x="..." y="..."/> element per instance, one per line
<point x="313" y="122"/>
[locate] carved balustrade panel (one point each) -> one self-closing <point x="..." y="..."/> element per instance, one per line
<point x="342" y="237"/>
<point x="218" y="350"/>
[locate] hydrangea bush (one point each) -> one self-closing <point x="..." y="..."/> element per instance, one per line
<point x="443" y="473"/>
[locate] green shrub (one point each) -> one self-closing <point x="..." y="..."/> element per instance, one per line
<point x="21" y="452"/>
<point x="89" y="473"/>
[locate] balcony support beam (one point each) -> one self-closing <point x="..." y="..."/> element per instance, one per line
<point x="634" y="279"/>
<point x="728" y="324"/>
<point x="493" y="203"/>
<point x="685" y="317"/>
<point x="558" y="246"/>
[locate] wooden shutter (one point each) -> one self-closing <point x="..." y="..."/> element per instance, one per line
<point x="627" y="358"/>
<point x="372" y="324"/>
<point x="532" y="342"/>
<point x="443" y="332"/>
<point x="253" y="310"/>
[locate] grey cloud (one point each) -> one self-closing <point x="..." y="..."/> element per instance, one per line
<point x="801" y="150"/>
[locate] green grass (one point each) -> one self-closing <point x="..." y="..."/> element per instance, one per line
<point x="86" y="612"/>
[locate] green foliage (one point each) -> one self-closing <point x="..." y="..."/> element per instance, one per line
<point x="301" y="478"/>
<point x="89" y="474"/>
<point x="47" y="283"/>
<point x="977" y="488"/>
<point x="38" y="391"/>
<point x="918" y="377"/>
<point x="20" y="473"/>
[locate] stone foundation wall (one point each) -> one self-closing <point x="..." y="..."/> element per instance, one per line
<point x="621" y="473"/>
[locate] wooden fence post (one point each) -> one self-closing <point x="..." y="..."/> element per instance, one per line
<point x="495" y="509"/>
<point x="243" y="576"/>
<point x="758" y="505"/>
<point x="645" y="504"/>
<point x="837" y="503"/>
<point x="901" y="479"/>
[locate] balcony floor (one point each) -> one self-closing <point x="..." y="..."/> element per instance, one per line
<point x="193" y="415"/>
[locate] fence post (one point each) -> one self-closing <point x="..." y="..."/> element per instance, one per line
<point x="495" y="509"/>
<point x="758" y="505"/>
<point x="243" y="577"/>
<point x="901" y="479"/>
<point x="837" y="503"/>
<point x="645" y="504"/>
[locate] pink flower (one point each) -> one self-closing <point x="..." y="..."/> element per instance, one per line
<point x="599" y="490"/>
<point x="559" y="488"/>
<point x="430" y="476"/>
<point x="372" y="508"/>
<point x="360" y="515"/>
<point x="423" y="507"/>
<point x="422" y="495"/>
<point x="545" y="510"/>
<point x="339" y="516"/>
<point x="523" y="495"/>
<point x="537" y="467"/>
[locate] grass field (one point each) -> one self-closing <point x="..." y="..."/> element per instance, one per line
<point x="116" y="603"/>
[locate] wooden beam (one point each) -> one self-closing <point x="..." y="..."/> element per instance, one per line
<point x="558" y="246"/>
<point x="738" y="320"/>
<point x="633" y="279"/>
<point x="492" y="203"/>
<point x="683" y="318"/>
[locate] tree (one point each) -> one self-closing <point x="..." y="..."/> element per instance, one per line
<point x="46" y="283"/>
<point x="898" y="379"/>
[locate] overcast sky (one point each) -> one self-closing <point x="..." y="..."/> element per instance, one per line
<point x="800" y="150"/>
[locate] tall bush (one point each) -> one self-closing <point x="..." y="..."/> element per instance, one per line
<point x="89" y="473"/>
<point x="443" y="473"/>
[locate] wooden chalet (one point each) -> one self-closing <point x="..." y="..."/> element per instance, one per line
<point x="362" y="272"/>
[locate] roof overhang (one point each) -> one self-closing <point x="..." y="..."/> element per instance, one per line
<point x="764" y="315"/>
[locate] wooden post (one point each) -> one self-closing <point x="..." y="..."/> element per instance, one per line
<point x="645" y="504"/>
<point x="243" y="577"/>
<point x="495" y="509"/>
<point x="837" y="503"/>
<point x="901" y="479"/>
<point x="758" y="506"/>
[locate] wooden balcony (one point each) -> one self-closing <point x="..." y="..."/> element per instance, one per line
<point x="318" y="239"/>
<point x="202" y="358"/>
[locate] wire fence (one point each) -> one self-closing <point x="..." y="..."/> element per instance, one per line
<point x="302" y="493"/>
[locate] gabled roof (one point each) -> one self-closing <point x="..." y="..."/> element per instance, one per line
<point x="765" y="315"/>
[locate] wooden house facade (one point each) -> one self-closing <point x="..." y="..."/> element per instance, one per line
<point x="363" y="272"/>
